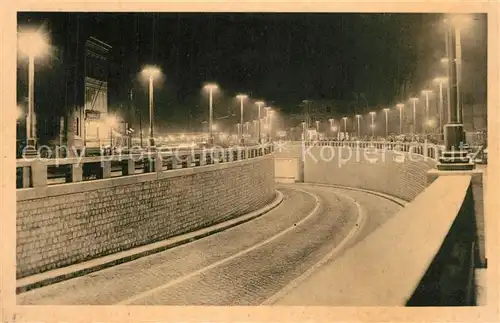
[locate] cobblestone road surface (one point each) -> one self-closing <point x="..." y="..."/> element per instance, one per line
<point x="244" y="265"/>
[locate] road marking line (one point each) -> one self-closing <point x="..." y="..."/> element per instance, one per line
<point x="360" y="221"/>
<point x="222" y="261"/>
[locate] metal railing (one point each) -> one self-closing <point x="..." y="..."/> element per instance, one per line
<point x="40" y="172"/>
<point x="424" y="149"/>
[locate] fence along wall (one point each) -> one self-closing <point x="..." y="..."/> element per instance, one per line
<point x="70" y="223"/>
<point x="398" y="174"/>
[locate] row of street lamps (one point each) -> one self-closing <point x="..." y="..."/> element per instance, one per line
<point x="211" y="87"/>
<point x="457" y="22"/>
<point x="34" y="43"/>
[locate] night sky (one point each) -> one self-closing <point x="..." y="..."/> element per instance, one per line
<point x="284" y="58"/>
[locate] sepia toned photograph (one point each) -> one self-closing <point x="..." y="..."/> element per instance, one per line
<point x="288" y="159"/>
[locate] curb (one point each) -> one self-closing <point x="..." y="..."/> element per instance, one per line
<point x="58" y="275"/>
<point x="397" y="200"/>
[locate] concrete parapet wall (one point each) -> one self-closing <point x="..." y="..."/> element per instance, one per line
<point x="398" y="174"/>
<point x="64" y="224"/>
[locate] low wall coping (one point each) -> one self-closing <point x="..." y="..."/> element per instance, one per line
<point x="70" y="188"/>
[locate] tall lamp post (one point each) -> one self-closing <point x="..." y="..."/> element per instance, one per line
<point x="241" y="97"/>
<point x="247" y="127"/>
<point x="426" y="94"/>
<point x="454" y="158"/>
<point x="373" y="113"/>
<point x="270" y="123"/>
<point x="441" y="81"/>
<point x="303" y="130"/>
<point x="400" y="107"/>
<point x="267" y="122"/>
<point x="414" y="101"/>
<point x="151" y="72"/>
<point x="386" y="110"/>
<point x="32" y="44"/>
<point x="111" y="121"/>
<point x="210" y="87"/>
<point x="259" y="104"/>
<point x="457" y="23"/>
<point x="345" y="127"/>
<point x="331" y="120"/>
<point x="358" y="119"/>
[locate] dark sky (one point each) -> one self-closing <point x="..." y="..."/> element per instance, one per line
<point x="283" y="58"/>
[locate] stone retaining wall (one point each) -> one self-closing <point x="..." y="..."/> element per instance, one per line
<point x="395" y="173"/>
<point x="60" y="225"/>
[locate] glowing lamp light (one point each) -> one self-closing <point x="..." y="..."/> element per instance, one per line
<point x="386" y="109"/>
<point x="151" y="71"/>
<point x="19" y="113"/>
<point x="33" y="43"/>
<point x="242" y="96"/>
<point x="214" y="127"/>
<point x="400" y="105"/>
<point x="358" y="116"/>
<point x="373" y="113"/>
<point x="211" y="86"/>
<point x="459" y="20"/>
<point x="441" y="79"/>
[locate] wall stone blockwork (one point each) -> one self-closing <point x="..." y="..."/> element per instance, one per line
<point x="395" y="173"/>
<point x="58" y="230"/>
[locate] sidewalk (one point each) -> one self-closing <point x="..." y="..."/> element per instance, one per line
<point x="76" y="270"/>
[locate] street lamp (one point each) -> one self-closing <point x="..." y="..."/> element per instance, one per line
<point x="241" y="97"/>
<point x="266" y="120"/>
<point x="111" y="121"/>
<point x="308" y="111"/>
<point x="334" y="130"/>
<point x="317" y="126"/>
<point x="414" y="101"/>
<point x="303" y="130"/>
<point x="441" y="81"/>
<point x="345" y="127"/>
<point x="457" y="22"/>
<point x="32" y="44"/>
<point x="386" y="110"/>
<point x="259" y="106"/>
<point x="426" y="93"/>
<point x="358" y="119"/>
<point x="270" y="123"/>
<point x="247" y="127"/>
<point x="373" y="113"/>
<point x="210" y="87"/>
<point x="400" y="106"/>
<point x="151" y="72"/>
<point x="331" y="120"/>
<point x="19" y="113"/>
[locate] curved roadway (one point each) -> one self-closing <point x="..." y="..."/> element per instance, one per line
<point x="249" y="264"/>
